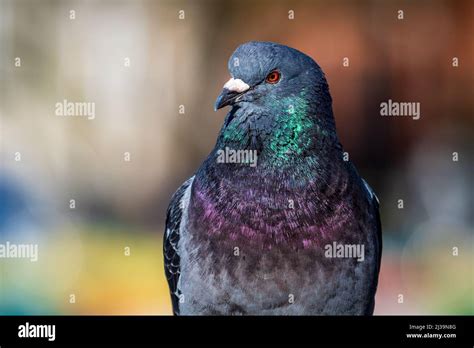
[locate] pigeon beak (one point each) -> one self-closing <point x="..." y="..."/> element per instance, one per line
<point x="227" y="97"/>
<point x="232" y="92"/>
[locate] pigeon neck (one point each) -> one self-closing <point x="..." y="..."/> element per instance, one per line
<point x="281" y="132"/>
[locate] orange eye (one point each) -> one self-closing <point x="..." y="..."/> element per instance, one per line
<point x="273" y="77"/>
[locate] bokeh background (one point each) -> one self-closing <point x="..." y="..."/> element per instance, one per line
<point x="175" y="62"/>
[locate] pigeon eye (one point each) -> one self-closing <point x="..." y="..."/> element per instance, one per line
<point x="273" y="77"/>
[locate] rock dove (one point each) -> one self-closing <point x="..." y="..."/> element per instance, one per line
<point x="275" y="221"/>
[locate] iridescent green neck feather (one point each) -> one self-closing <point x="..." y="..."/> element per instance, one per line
<point x="289" y="131"/>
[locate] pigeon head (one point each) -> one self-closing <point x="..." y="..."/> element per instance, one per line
<point x="265" y="70"/>
<point x="279" y="98"/>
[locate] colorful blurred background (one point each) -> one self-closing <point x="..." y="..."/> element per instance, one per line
<point x="142" y="63"/>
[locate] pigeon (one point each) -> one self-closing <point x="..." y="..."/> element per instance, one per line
<point x="276" y="220"/>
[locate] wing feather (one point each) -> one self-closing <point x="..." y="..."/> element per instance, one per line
<point x="174" y="216"/>
<point x="374" y="206"/>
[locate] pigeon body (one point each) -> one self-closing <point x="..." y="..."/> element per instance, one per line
<point x="256" y="239"/>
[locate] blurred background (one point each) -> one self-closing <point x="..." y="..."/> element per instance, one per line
<point x="145" y="62"/>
